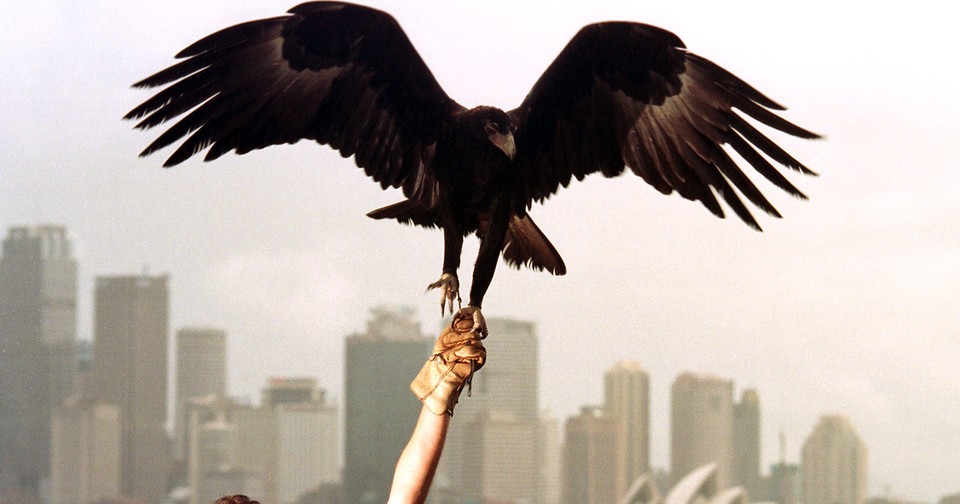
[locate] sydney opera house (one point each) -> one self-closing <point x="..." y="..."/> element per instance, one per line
<point x="697" y="487"/>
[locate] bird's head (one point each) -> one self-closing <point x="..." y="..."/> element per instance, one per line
<point x="499" y="128"/>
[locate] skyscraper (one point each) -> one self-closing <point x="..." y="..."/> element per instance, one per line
<point x="701" y="426"/>
<point x="833" y="464"/>
<point x="746" y="443"/>
<point x="130" y="371"/>
<point x="503" y="403"/>
<point x="627" y="399"/>
<point x="307" y="437"/>
<point x="380" y="410"/>
<point x="85" y="452"/>
<point x="593" y="458"/>
<point x="201" y="371"/>
<point x="38" y="364"/>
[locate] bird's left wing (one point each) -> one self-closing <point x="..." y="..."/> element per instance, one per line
<point x="629" y="95"/>
<point x="337" y="73"/>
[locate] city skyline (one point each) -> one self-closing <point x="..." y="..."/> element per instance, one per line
<point x="511" y="395"/>
<point x="385" y="324"/>
<point x="847" y="304"/>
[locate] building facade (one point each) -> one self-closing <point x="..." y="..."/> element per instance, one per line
<point x="593" y="458"/>
<point x="85" y="452"/>
<point x="746" y="443"/>
<point x="833" y="464"/>
<point x="379" y="408"/>
<point x="131" y="316"/>
<point x="38" y="362"/>
<point x="201" y="371"/>
<point x="627" y="398"/>
<point x="503" y="404"/>
<point x="701" y="426"/>
<point x="307" y="437"/>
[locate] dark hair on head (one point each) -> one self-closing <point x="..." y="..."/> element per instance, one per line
<point x="235" y="499"/>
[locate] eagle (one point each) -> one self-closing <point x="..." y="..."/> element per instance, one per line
<point x="620" y="95"/>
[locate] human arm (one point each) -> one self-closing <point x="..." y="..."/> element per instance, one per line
<point x="419" y="459"/>
<point x="457" y="354"/>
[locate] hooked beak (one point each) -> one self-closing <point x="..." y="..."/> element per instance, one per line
<point x="504" y="142"/>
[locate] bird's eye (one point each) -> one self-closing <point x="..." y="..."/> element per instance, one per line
<point x="490" y="128"/>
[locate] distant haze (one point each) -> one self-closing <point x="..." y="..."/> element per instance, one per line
<point x="847" y="305"/>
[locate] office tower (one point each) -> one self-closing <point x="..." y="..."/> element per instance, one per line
<point x="627" y="398"/>
<point x="201" y="371"/>
<point x="380" y="410"/>
<point x="38" y="284"/>
<point x="502" y="452"/>
<point x="307" y="437"/>
<point x="784" y="483"/>
<point x="593" y="458"/>
<point x="227" y="453"/>
<point x="701" y="426"/>
<point x="746" y="443"/>
<point x="950" y="499"/>
<point x="504" y="400"/>
<point x="833" y="464"/>
<point x="84" y="452"/>
<point x="130" y="371"/>
<point x="551" y="459"/>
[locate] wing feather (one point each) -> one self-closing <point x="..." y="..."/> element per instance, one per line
<point x="339" y="74"/>
<point x="626" y="95"/>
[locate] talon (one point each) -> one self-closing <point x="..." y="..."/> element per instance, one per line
<point x="449" y="287"/>
<point x="479" y="324"/>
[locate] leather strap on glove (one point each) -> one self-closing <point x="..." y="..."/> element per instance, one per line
<point x="457" y="354"/>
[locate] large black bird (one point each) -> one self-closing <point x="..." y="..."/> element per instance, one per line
<point x="620" y="95"/>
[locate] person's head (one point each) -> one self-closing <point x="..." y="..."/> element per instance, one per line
<point x="235" y="499"/>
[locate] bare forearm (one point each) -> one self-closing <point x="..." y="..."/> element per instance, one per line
<point x="418" y="462"/>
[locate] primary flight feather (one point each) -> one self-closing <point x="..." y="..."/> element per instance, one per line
<point x="620" y="96"/>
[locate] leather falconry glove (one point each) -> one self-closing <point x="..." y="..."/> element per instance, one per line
<point x="457" y="354"/>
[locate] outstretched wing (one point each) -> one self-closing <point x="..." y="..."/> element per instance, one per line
<point x="337" y="73"/>
<point x="629" y="95"/>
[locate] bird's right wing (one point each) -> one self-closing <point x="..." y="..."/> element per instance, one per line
<point x="339" y="74"/>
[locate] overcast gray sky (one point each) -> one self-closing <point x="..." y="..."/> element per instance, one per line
<point x="847" y="305"/>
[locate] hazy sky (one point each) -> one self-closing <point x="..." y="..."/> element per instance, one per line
<point x="847" y="305"/>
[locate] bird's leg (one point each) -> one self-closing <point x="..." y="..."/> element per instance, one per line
<point x="448" y="283"/>
<point x="491" y="244"/>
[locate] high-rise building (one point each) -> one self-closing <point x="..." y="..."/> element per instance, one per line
<point x="701" y="426"/>
<point x="504" y="399"/>
<point x="85" y="452"/>
<point x="380" y="410"/>
<point x="307" y="437"/>
<point x="593" y="458"/>
<point x="38" y="363"/>
<point x="551" y="459"/>
<point x="746" y="443"/>
<point x="627" y="398"/>
<point x="783" y="485"/>
<point x="201" y="371"/>
<point x="833" y="464"/>
<point x="130" y="371"/>
<point x="950" y="499"/>
<point x="227" y="453"/>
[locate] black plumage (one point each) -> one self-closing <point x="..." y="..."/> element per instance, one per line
<point x="620" y="95"/>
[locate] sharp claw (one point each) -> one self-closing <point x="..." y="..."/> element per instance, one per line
<point x="449" y="290"/>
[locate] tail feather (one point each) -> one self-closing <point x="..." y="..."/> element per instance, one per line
<point x="407" y="212"/>
<point x="526" y="245"/>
